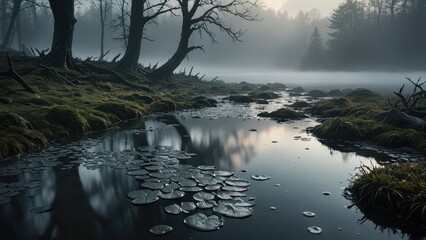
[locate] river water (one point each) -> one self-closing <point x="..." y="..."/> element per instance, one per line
<point x="77" y="189"/>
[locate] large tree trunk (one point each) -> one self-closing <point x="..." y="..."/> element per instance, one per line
<point x="15" y="12"/>
<point x="101" y="11"/>
<point x="166" y="70"/>
<point x="3" y="18"/>
<point x="60" y="54"/>
<point x="137" y="23"/>
<point x="18" y="28"/>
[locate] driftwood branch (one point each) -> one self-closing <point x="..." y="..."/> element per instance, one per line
<point x="12" y="73"/>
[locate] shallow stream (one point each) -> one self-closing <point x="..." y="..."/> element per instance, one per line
<point x="78" y="189"/>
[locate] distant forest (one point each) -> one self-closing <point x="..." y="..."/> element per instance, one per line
<point x="358" y="35"/>
<point x="372" y="34"/>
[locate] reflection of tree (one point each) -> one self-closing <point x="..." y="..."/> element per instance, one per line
<point x="387" y="222"/>
<point x="217" y="151"/>
<point x="29" y="225"/>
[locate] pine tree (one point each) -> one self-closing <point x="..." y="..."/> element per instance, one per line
<point x="314" y="55"/>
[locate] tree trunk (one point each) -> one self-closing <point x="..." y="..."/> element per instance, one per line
<point x="60" y="54"/>
<point x="3" y="18"/>
<point x="137" y="23"/>
<point x="18" y="31"/>
<point x="15" y="12"/>
<point x="166" y="70"/>
<point x="101" y="10"/>
<point x="35" y="18"/>
<point x="123" y="22"/>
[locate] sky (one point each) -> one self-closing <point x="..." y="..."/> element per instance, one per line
<point x="294" y="6"/>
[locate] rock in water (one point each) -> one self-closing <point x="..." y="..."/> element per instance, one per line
<point x="399" y="119"/>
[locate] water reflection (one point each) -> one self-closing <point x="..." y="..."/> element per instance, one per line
<point x="106" y="190"/>
<point x="27" y="225"/>
<point x="90" y="201"/>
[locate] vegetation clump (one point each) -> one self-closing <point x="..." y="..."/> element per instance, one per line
<point x="121" y="110"/>
<point x="398" y="188"/>
<point x="401" y="138"/>
<point x="346" y="128"/>
<point x="69" y="118"/>
<point x="283" y="114"/>
<point x="15" y="140"/>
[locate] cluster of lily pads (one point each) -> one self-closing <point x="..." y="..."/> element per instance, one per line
<point x="163" y="176"/>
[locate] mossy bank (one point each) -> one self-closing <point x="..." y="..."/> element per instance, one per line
<point x="93" y="102"/>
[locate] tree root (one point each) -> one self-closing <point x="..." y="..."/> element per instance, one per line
<point x="54" y="72"/>
<point x="102" y="70"/>
<point x="12" y="73"/>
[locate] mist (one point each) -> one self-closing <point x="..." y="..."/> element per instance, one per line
<point x="379" y="38"/>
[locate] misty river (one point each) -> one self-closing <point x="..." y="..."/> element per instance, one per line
<point x="292" y="181"/>
<point x="383" y="82"/>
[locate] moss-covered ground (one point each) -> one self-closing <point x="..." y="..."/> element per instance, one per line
<point x="95" y="102"/>
<point x="351" y="117"/>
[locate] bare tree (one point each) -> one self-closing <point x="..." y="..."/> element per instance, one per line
<point x="142" y="12"/>
<point x="122" y="19"/>
<point x="104" y="7"/>
<point x="60" y="54"/>
<point x="15" y="12"/>
<point x="203" y="16"/>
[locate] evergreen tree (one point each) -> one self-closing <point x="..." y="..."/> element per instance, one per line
<point x="314" y="55"/>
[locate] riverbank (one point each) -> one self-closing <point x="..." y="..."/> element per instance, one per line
<point x="68" y="102"/>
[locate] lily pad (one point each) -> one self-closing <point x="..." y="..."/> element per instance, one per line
<point x="237" y="183"/>
<point x="154" y="167"/>
<point x="160" y="230"/>
<point x="230" y="209"/>
<point x="206" y="167"/>
<point x="187" y="183"/>
<point x="234" y="189"/>
<point x="226" y="195"/>
<point x="213" y="187"/>
<point x="138" y="172"/>
<point x="201" y="222"/>
<point x="153" y="185"/>
<point x="223" y="173"/>
<point x="188" y="206"/>
<point x="203" y="196"/>
<point x="206" y="204"/>
<point x="160" y="175"/>
<point x="174" y="194"/>
<point x="191" y="189"/>
<point x="173" y="209"/>
<point x="308" y="214"/>
<point x="260" y="177"/>
<point x="170" y="187"/>
<point x="141" y="197"/>
<point x="314" y="230"/>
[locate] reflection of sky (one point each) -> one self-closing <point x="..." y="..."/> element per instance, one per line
<point x="106" y="190"/>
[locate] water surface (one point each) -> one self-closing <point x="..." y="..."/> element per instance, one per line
<point x="88" y="198"/>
